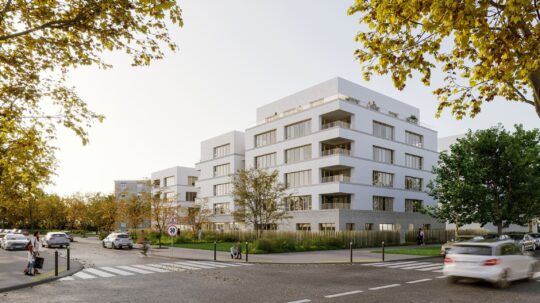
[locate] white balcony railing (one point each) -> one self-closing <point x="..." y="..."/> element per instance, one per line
<point x="336" y="151"/>
<point x="336" y="205"/>
<point x="336" y="178"/>
<point x="338" y="123"/>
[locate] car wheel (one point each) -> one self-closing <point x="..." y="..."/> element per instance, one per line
<point x="530" y="272"/>
<point x="103" y="243"/>
<point x="503" y="283"/>
<point x="113" y="246"/>
<point x="130" y="247"/>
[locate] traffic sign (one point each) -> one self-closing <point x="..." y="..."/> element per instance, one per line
<point x="172" y="230"/>
<point x="172" y="220"/>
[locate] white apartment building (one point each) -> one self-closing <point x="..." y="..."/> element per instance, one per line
<point x="352" y="158"/>
<point x="221" y="158"/>
<point x="125" y="189"/>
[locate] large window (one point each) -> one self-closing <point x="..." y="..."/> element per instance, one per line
<point x="222" y="170"/>
<point x="298" y="178"/>
<point x="383" y="130"/>
<point x="169" y="181"/>
<point x="387" y="227"/>
<point x="383" y="203"/>
<point x="223" y="150"/>
<point x="383" y="179"/>
<point x="298" y="203"/>
<point x="327" y="226"/>
<point x="414" y="139"/>
<point x="123" y="186"/>
<point x="265" y="161"/>
<point x="381" y="154"/>
<point x="298" y="129"/>
<point x="221" y="208"/>
<point x="222" y="189"/>
<point x="349" y="226"/>
<point x="303" y="226"/>
<point x="298" y="154"/>
<point x="265" y="138"/>
<point x="191" y="180"/>
<point x="190" y="196"/>
<point x="412" y="183"/>
<point x="413" y="161"/>
<point x="169" y="197"/>
<point x="413" y="205"/>
<point x="368" y="226"/>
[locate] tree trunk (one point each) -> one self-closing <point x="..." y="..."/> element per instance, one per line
<point x="534" y="77"/>
<point x="530" y="226"/>
<point x="456" y="231"/>
<point x="499" y="228"/>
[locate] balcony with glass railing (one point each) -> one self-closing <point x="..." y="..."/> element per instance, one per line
<point x="336" y="201"/>
<point x="335" y="175"/>
<point x="337" y="118"/>
<point x="336" y="146"/>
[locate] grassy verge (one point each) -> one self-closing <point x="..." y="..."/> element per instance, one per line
<point x="430" y="251"/>
<point x="221" y="246"/>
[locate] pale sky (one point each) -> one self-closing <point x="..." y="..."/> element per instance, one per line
<point x="233" y="57"/>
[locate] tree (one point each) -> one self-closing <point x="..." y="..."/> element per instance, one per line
<point x="52" y="210"/>
<point x="259" y="198"/>
<point x="77" y="212"/>
<point x="162" y="212"/>
<point x="40" y="42"/>
<point x="490" y="176"/>
<point x="103" y="211"/>
<point x="486" y="48"/>
<point x="198" y="216"/>
<point x="136" y="209"/>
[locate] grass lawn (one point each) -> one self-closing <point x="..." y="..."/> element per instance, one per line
<point x="416" y="251"/>
<point x="221" y="246"/>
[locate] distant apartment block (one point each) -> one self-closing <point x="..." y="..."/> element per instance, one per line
<point x="126" y="189"/>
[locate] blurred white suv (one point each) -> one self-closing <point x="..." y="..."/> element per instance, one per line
<point x="117" y="240"/>
<point x="58" y="239"/>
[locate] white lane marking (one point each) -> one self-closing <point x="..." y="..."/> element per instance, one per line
<point x="221" y="265"/>
<point x="183" y="266"/>
<point x="134" y="269"/>
<point x="117" y="271"/>
<point x="67" y="279"/>
<point x="385" y="286"/>
<point x="371" y="264"/>
<point x="536" y="275"/>
<point x="344" y="294"/>
<point x="83" y="275"/>
<point x="150" y="268"/>
<point x="408" y="266"/>
<point x="193" y="265"/>
<point x="300" y="301"/>
<point x="431" y="268"/>
<point x="440" y="270"/>
<point x="418" y="281"/>
<point x="243" y="264"/>
<point x="98" y="273"/>
<point x="440" y="277"/>
<point x="395" y="263"/>
<point x="167" y="267"/>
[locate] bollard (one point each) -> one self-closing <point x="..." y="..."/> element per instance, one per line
<point x="56" y="263"/>
<point x="68" y="261"/>
<point x="383" y="251"/>
<point x="351" y="252"/>
<point x="247" y="251"/>
<point x="215" y="248"/>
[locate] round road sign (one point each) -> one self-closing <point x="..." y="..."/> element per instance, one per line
<point x="172" y="230"/>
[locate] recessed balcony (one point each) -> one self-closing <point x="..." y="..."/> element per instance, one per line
<point x="336" y="118"/>
<point x="338" y="146"/>
<point x="336" y="174"/>
<point x="336" y="201"/>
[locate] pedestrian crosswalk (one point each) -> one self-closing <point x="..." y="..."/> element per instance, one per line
<point x="144" y="269"/>
<point x="410" y="265"/>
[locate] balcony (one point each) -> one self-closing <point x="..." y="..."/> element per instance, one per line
<point x="336" y="151"/>
<point x="338" y="118"/>
<point x="336" y="174"/>
<point x="336" y="178"/>
<point x="338" y="123"/>
<point x="336" y="146"/>
<point x="336" y="201"/>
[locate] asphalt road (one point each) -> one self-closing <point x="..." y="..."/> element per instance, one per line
<point x="217" y="282"/>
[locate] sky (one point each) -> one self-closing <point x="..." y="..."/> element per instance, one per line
<point x="233" y="57"/>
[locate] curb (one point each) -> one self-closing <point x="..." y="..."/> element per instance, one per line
<point x="46" y="280"/>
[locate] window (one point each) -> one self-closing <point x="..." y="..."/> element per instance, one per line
<point x="223" y="150"/>
<point x="510" y="249"/>
<point x="412" y="205"/>
<point x="191" y="180"/>
<point x="410" y="227"/>
<point x="190" y="196"/>
<point x="140" y="186"/>
<point x="412" y="183"/>
<point x="387" y="227"/>
<point x="303" y="226"/>
<point x="222" y="189"/>
<point x="382" y="130"/>
<point x="381" y="154"/>
<point x="221" y="208"/>
<point x="327" y="227"/>
<point x="123" y="186"/>
<point x="427" y="226"/>
<point x="349" y="226"/>
<point x="298" y="154"/>
<point x="169" y="181"/>
<point x="368" y="226"/>
<point x="265" y="138"/>
<point x="383" y="179"/>
<point x="298" y="129"/>
<point x="265" y="161"/>
<point x="413" y="161"/>
<point x="298" y="203"/>
<point x="222" y="170"/>
<point x="414" y="139"/>
<point x="156" y="182"/>
<point x="383" y="203"/>
<point x="169" y="197"/>
<point x="298" y="178"/>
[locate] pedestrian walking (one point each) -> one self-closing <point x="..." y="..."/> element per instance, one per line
<point x="36" y="244"/>
<point x="420" y="237"/>
<point x="31" y="258"/>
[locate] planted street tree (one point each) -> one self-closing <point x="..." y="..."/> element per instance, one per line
<point x="197" y="217"/>
<point x="103" y="212"/>
<point x="136" y="209"/>
<point x="259" y="199"/>
<point x="162" y="211"/>
<point x="490" y="176"/>
<point x="486" y="49"/>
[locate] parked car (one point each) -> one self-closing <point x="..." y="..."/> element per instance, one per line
<point x="117" y="240"/>
<point x="496" y="237"/>
<point x="448" y="245"/>
<point x="536" y="237"/>
<point x="58" y="239"/>
<point x="14" y="241"/>
<point x="69" y="235"/>
<point x="498" y="262"/>
<point x="524" y="241"/>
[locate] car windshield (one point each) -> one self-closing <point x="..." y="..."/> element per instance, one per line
<point x="15" y="237"/>
<point x="57" y="235"/>
<point x="537" y="236"/>
<point x="471" y="250"/>
<point x="516" y="237"/>
<point x="123" y="236"/>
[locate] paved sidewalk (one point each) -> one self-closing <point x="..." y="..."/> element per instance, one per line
<point x="12" y="264"/>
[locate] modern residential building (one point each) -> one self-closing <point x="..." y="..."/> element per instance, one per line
<point x="221" y="158"/>
<point x="125" y="189"/>
<point x="352" y="158"/>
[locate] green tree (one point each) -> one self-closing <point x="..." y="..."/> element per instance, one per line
<point x="486" y="48"/>
<point x="162" y="211"/>
<point x="259" y="199"/>
<point x="52" y="211"/>
<point x="77" y="212"/>
<point x="490" y="176"/>
<point x="136" y="209"/>
<point x="103" y="211"/>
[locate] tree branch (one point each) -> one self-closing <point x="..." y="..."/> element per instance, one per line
<point x="520" y="94"/>
<point x="536" y="9"/>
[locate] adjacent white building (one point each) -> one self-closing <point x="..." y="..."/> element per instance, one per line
<point x="352" y="158"/>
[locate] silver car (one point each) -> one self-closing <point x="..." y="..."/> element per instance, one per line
<point x="524" y="241"/>
<point x="536" y="237"/>
<point x="58" y="239"/>
<point x="117" y="240"/>
<point x="14" y="241"/>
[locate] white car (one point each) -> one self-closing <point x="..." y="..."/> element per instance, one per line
<point x="14" y="241"/>
<point x="498" y="262"/>
<point x="58" y="239"/>
<point x="117" y="240"/>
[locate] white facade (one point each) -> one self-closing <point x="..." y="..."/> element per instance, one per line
<point x="177" y="185"/>
<point x="338" y="169"/>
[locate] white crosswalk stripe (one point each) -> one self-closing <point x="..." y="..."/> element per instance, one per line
<point x="137" y="270"/>
<point x="185" y="266"/>
<point x="419" y="265"/>
<point x="438" y="267"/>
<point x="194" y="265"/>
<point x="409" y="265"/>
<point x="215" y="264"/>
<point x="83" y="275"/>
<point x="167" y="266"/>
<point x="98" y="273"/>
<point x="150" y="268"/>
<point x="394" y="263"/>
<point x="117" y="271"/>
